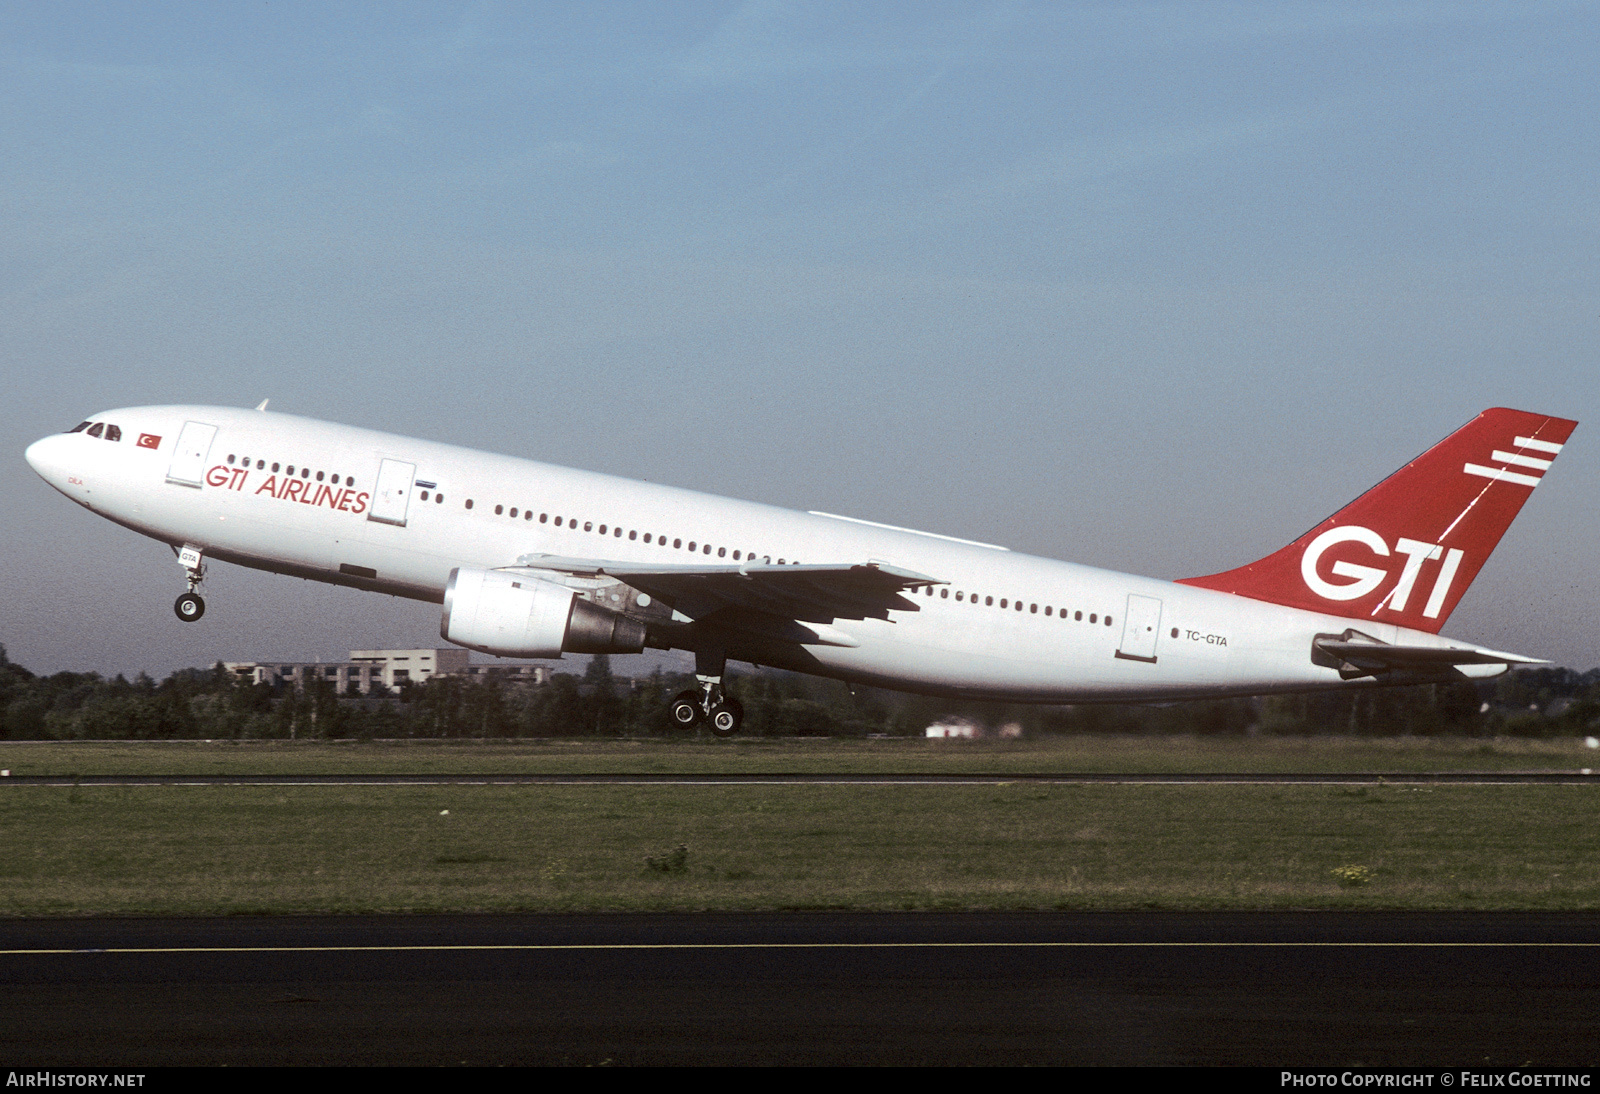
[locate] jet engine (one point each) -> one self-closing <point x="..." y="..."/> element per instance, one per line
<point x="515" y="615"/>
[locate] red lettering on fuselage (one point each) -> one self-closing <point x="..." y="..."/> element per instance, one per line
<point x="306" y="493"/>
<point x="231" y="477"/>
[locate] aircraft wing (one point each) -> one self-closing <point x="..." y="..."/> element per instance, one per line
<point x="811" y="594"/>
<point x="1355" y="654"/>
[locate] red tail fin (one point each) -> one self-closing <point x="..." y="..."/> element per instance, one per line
<point x="1406" y="550"/>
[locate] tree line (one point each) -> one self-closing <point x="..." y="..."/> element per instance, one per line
<point x="216" y="704"/>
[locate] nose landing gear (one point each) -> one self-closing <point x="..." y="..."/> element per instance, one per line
<point x="190" y="606"/>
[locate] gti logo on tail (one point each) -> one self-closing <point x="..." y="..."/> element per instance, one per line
<point x="1517" y="459"/>
<point x="1364" y="579"/>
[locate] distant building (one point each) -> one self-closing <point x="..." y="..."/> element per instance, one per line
<point x="368" y="669"/>
<point x="954" y="727"/>
<point x="365" y="670"/>
<point x="413" y="666"/>
<point x="537" y="675"/>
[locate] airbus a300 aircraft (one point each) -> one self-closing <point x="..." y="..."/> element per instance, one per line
<point x="531" y="560"/>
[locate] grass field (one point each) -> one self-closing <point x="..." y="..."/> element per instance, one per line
<point x="1273" y="755"/>
<point x="203" y="850"/>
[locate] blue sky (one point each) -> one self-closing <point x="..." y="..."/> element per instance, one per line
<point x="1147" y="286"/>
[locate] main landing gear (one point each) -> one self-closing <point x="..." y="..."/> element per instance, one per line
<point x="722" y="713"/>
<point x="190" y="607"/>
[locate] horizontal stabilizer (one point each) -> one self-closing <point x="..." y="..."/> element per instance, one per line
<point x="1355" y="654"/>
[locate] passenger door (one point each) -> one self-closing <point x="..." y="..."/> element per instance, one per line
<point x="188" y="465"/>
<point x="1141" y="626"/>
<point x="392" y="495"/>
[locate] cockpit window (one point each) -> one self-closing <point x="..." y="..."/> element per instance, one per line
<point x="113" y="433"/>
<point x="79" y="428"/>
<point x="96" y="429"/>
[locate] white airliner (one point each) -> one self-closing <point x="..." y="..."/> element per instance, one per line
<point x="531" y="560"/>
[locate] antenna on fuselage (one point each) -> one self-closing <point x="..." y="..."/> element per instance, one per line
<point x="264" y="403"/>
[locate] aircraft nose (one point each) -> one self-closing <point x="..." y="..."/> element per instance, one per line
<point x="46" y="456"/>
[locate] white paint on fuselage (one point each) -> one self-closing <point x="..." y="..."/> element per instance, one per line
<point x="1208" y="643"/>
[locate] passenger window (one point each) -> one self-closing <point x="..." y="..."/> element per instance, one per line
<point x="944" y="594"/>
<point x="544" y="518"/>
<point x="722" y="552"/>
<point x="513" y="512"/>
<point x="647" y="537"/>
<point x="1092" y="618"/>
<point x="736" y="556"/>
<point x="616" y="533"/>
<point x="1108" y="621"/>
<point x="498" y="509"/>
<point x="97" y="429"/>
<point x="633" y="534"/>
<point x="438" y="499"/>
<point x="588" y="526"/>
<point x="424" y="495"/>
<point x="988" y="601"/>
<point x="959" y="594"/>
<point x="230" y="459"/>
<point x="113" y="433"/>
<point x="602" y="529"/>
<point x="262" y="463"/>
<point x="1033" y="609"/>
<point x="1002" y="602"/>
<point x="527" y="514"/>
<point x="691" y="546"/>
<point x="289" y="470"/>
<point x="469" y="503"/>
<point x="350" y="480"/>
<point x="319" y="479"/>
<point x="706" y="550"/>
<point x="1048" y="610"/>
<point x="305" y="472"/>
<point x="1078" y="616"/>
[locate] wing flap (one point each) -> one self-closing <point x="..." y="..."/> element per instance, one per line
<point x="813" y="594"/>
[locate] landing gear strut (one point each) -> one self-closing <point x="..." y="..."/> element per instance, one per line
<point x="189" y="607"/>
<point x="722" y="713"/>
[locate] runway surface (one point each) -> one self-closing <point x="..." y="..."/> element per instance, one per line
<point x="1330" y="989"/>
<point x="1372" y="778"/>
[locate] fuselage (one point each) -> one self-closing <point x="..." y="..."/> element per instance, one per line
<point x="296" y="496"/>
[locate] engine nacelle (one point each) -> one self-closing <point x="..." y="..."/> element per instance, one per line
<point x="514" y="615"/>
